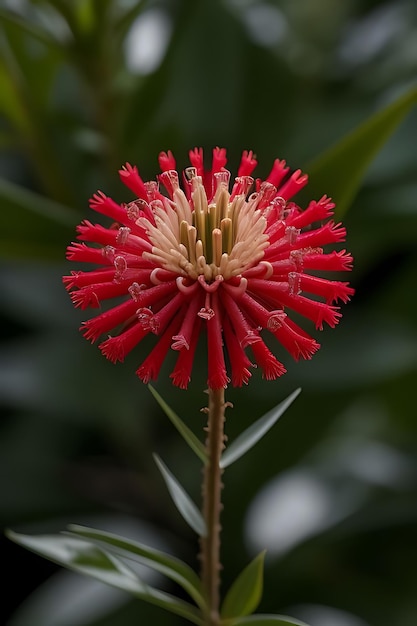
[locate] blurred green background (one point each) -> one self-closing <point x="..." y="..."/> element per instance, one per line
<point x="332" y="491"/>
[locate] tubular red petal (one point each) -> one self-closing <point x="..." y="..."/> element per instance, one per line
<point x="116" y="348"/>
<point x="96" y="326"/>
<point x="160" y="320"/>
<point x="196" y="160"/>
<point x="217" y="376"/>
<point x="258" y="313"/>
<point x="105" y="205"/>
<point x="219" y="160"/>
<point x="295" y="340"/>
<point x="151" y="366"/>
<point x="316" y="211"/>
<point x="82" y="279"/>
<point x="181" y="374"/>
<point x="333" y="261"/>
<point x="293" y="185"/>
<point x="166" y="161"/>
<point x="293" y="240"/>
<point x="248" y="163"/>
<point x="244" y="332"/>
<point x="328" y="233"/>
<point x="129" y="175"/>
<point x="238" y="359"/>
<point x="278" y="173"/>
<point x="331" y="290"/>
<point x="270" y="366"/>
<point x="92" y="295"/>
<point x="83" y="253"/>
<point x="149" y="297"/>
<point x="276" y="296"/>
<point x="96" y="233"/>
<point x="184" y="337"/>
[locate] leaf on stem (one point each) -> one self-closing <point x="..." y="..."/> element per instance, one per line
<point x="84" y="557"/>
<point x="182" y="500"/>
<point x="186" y="433"/>
<point x="339" y="170"/>
<point x="246" y="440"/>
<point x="166" y="564"/>
<point x="267" y="620"/>
<point x="245" y="594"/>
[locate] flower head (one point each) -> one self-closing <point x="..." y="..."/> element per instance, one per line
<point x="228" y="259"/>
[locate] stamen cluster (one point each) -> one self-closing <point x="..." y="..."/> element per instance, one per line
<point x="230" y="262"/>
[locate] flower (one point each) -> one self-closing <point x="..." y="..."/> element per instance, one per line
<point x="210" y="257"/>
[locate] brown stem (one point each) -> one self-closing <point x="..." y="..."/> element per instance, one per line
<point x="212" y="486"/>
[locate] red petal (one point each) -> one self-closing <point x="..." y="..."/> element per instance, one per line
<point x="331" y="290"/>
<point x="151" y="366"/>
<point x="181" y="374"/>
<point x="278" y="172"/>
<point x="129" y="175"/>
<point x="116" y="348"/>
<point x="271" y="367"/>
<point x="96" y="326"/>
<point x="166" y="161"/>
<point x="248" y="163"/>
<point x="217" y="376"/>
<point x="238" y="360"/>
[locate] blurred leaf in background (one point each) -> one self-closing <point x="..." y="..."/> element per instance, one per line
<point x="86" y="85"/>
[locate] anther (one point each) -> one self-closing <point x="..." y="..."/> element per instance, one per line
<point x="190" y="172"/>
<point x="123" y="235"/>
<point x="120" y="265"/>
<point x="108" y="252"/>
<point x="132" y="210"/>
<point x="291" y="234"/>
<point x="152" y="189"/>
<point x="294" y="282"/>
<point x="222" y="179"/>
<point x="145" y="316"/>
<point x="275" y="320"/>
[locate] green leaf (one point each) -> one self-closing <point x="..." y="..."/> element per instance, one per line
<point x="166" y="564"/>
<point x="267" y="620"/>
<point x="10" y="104"/>
<point x="187" y="434"/>
<point x="245" y="594"/>
<point x="31" y="29"/>
<point x="31" y="224"/>
<point x="246" y="440"/>
<point x="86" y="558"/>
<point x="182" y="500"/>
<point x="338" y="171"/>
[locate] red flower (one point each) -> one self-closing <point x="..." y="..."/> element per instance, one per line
<point x="227" y="261"/>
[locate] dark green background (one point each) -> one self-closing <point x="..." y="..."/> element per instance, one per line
<point x="286" y="79"/>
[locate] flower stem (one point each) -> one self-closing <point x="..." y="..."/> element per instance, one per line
<point x="212" y="487"/>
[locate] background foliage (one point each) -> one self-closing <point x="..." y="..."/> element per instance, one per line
<point x="331" y="492"/>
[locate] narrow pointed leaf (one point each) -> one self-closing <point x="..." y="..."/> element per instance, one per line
<point x="267" y="620"/>
<point x="187" y="434"/>
<point x="86" y="558"/>
<point x="245" y="594"/>
<point x="246" y="440"/>
<point x="166" y="564"/>
<point x="338" y="171"/>
<point x="182" y="500"/>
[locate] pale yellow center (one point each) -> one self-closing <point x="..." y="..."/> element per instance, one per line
<point x="225" y="237"/>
